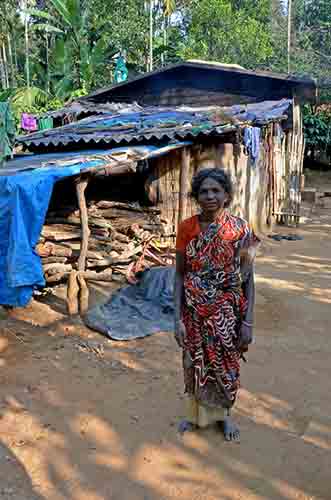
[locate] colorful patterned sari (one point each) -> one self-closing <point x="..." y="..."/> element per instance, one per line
<point x="213" y="309"/>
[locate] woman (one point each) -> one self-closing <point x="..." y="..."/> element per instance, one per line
<point x="214" y="301"/>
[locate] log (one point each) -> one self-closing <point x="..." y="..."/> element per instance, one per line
<point x="48" y="249"/>
<point x="105" y="275"/>
<point x="102" y="239"/>
<point x="91" y="254"/>
<point x="56" y="278"/>
<point x="115" y="213"/>
<point x="44" y="249"/>
<point x="81" y="186"/>
<point x="96" y="222"/>
<point x="125" y="257"/>
<point x="60" y="232"/>
<point x="120" y="237"/>
<point x="99" y="263"/>
<point x="95" y="255"/>
<point x="53" y="260"/>
<point x="55" y="268"/>
<point x="104" y="204"/>
<point x="83" y="294"/>
<point x="72" y="293"/>
<point x="75" y="221"/>
<point x="118" y="246"/>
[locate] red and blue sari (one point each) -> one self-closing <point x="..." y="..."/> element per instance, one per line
<point x="214" y="307"/>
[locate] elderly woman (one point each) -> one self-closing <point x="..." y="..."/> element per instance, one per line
<point x="214" y="300"/>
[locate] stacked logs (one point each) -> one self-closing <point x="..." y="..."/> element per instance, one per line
<point x="122" y="235"/>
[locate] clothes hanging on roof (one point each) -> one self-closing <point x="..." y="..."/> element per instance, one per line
<point x="121" y="71"/>
<point x="7" y="131"/>
<point x="29" y="122"/>
<point x="252" y="136"/>
<point x="45" y="123"/>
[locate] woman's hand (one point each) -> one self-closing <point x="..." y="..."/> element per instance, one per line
<point x="180" y="333"/>
<point x="246" y="336"/>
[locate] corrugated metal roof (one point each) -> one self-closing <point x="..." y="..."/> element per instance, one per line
<point x="88" y="159"/>
<point x="156" y="125"/>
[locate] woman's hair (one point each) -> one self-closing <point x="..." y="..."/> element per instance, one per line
<point x="218" y="175"/>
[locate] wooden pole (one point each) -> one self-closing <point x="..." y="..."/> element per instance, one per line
<point x="81" y="186"/>
<point x="76" y="283"/>
<point x="184" y="184"/>
<point x="84" y="292"/>
<point x="72" y="292"/>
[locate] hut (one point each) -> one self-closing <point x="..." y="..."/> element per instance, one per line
<point x="259" y="106"/>
<point x="146" y="139"/>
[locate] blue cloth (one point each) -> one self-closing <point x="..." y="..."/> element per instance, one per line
<point x="260" y="112"/>
<point x="24" y="200"/>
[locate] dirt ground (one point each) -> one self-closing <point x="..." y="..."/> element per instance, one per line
<point x="85" y="418"/>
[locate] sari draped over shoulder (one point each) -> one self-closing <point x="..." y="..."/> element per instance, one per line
<point x="213" y="310"/>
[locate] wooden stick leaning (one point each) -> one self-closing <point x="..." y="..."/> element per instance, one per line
<point x="77" y="284"/>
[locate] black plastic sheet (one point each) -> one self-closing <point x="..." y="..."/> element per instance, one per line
<point x="137" y="311"/>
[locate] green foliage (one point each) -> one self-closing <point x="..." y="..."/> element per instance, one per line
<point x="221" y="31"/>
<point x="73" y="43"/>
<point x="317" y="128"/>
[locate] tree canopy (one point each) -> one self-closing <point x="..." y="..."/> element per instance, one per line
<point x="69" y="47"/>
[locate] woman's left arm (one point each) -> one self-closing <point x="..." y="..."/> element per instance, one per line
<point x="248" y="286"/>
<point x="249" y="293"/>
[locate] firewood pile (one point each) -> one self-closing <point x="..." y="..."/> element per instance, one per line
<point x="124" y="239"/>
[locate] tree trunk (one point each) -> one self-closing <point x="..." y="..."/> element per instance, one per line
<point x="5" y="64"/>
<point x="289" y="35"/>
<point x="151" y="34"/>
<point x="11" y="61"/>
<point x="27" y="52"/>
<point x="15" y="56"/>
<point x="47" y="64"/>
<point x="2" y="73"/>
<point x="164" y="28"/>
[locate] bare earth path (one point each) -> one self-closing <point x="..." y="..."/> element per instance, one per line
<point x="83" y="421"/>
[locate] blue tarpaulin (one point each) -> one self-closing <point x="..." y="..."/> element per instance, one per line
<point x="24" y="199"/>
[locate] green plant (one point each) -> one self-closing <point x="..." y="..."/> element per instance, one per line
<point x="317" y="128"/>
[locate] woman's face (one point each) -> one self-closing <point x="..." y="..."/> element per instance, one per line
<point x="212" y="196"/>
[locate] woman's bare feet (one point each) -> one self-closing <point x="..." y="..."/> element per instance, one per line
<point x="230" y="430"/>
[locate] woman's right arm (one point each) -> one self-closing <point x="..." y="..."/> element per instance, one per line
<point x="179" y="298"/>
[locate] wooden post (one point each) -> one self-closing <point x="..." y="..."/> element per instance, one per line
<point x="81" y="186"/>
<point x="184" y="184"/>
<point x="83" y="213"/>
<point x="72" y="293"/>
<point x="77" y="284"/>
